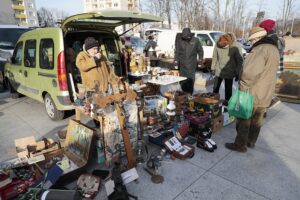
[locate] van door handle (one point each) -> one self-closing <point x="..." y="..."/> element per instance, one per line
<point x="25" y="73"/>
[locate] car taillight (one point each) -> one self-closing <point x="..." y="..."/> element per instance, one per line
<point x="61" y="69"/>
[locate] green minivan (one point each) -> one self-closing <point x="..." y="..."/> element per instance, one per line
<point x="43" y="67"/>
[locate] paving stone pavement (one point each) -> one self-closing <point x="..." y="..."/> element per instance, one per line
<point x="269" y="171"/>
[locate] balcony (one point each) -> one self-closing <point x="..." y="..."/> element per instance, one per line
<point x="20" y="16"/>
<point x="18" y="7"/>
<point x="23" y="24"/>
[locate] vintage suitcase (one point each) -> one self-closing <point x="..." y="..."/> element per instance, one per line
<point x="74" y="157"/>
<point x="215" y="109"/>
<point x="179" y="150"/>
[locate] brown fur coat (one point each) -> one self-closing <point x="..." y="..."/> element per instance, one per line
<point x="95" y="75"/>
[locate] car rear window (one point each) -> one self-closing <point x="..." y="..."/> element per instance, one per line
<point x="204" y="40"/>
<point x="10" y="36"/>
<point x="215" y="35"/>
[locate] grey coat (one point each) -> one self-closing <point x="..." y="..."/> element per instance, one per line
<point x="227" y="61"/>
<point x="186" y="51"/>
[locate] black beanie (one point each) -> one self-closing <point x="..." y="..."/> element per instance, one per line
<point x="90" y="42"/>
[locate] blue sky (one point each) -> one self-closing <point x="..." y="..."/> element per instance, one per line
<point x="271" y="7"/>
<point x="69" y="6"/>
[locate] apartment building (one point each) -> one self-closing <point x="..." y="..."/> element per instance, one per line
<point x="98" y="5"/>
<point x="19" y="12"/>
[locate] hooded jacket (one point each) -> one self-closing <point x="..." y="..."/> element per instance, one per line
<point x="94" y="74"/>
<point x="186" y="50"/>
<point x="259" y="71"/>
<point x="227" y="59"/>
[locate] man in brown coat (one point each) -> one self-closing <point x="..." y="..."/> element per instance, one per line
<point x="259" y="77"/>
<point x="94" y="69"/>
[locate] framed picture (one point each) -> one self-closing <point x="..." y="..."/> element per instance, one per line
<point x="79" y="139"/>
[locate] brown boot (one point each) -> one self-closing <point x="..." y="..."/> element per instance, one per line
<point x="235" y="147"/>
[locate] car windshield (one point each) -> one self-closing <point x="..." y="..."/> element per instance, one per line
<point x="9" y="37"/>
<point x="215" y="35"/>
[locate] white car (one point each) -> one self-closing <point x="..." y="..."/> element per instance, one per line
<point x="166" y="42"/>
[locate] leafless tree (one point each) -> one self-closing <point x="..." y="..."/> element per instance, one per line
<point x="50" y="17"/>
<point x="225" y="15"/>
<point x="59" y="15"/>
<point x="161" y="8"/>
<point x="45" y="17"/>
<point x="286" y="13"/>
<point x="216" y="7"/>
<point x="191" y="13"/>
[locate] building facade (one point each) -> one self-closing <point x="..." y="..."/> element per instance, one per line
<point x="19" y="12"/>
<point x="98" y="5"/>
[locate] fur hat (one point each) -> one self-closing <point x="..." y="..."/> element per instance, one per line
<point x="224" y="40"/>
<point x="257" y="32"/>
<point x="90" y="42"/>
<point x="268" y="24"/>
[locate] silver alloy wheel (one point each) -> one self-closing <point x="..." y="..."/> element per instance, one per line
<point x="49" y="107"/>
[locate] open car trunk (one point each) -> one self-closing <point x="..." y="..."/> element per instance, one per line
<point x="99" y="25"/>
<point x="109" y="19"/>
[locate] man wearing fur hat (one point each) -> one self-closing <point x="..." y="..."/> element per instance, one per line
<point x="259" y="77"/>
<point x="187" y="50"/>
<point x="94" y="69"/>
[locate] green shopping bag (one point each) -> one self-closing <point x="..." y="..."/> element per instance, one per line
<point x="240" y="104"/>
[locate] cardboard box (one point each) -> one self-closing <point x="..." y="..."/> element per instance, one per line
<point x="23" y="144"/>
<point x="199" y="106"/>
<point x="217" y="123"/>
<point x="77" y="149"/>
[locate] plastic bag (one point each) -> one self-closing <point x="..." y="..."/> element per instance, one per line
<point x="241" y="104"/>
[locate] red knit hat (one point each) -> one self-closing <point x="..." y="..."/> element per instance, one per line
<point x="268" y="24"/>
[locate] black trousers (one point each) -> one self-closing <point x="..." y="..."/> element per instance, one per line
<point x="187" y="85"/>
<point x="228" y="86"/>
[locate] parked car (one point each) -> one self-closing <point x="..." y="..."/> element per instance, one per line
<point x="40" y="68"/>
<point x="9" y="35"/>
<point x="166" y="43"/>
<point x="208" y="40"/>
<point x="245" y="44"/>
<point x="138" y="44"/>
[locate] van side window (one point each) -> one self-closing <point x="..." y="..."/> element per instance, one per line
<point x="17" y="56"/>
<point x="204" y="40"/>
<point x="46" y="54"/>
<point x="30" y="53"/>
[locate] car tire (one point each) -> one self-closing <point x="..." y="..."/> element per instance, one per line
<point x="51" y="109"/>
<point x="13" y="93"/>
